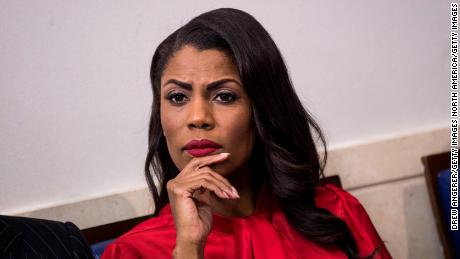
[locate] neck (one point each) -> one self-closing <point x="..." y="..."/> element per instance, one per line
<point x="248" y="191"/>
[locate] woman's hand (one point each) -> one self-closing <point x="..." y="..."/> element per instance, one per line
<point x="189" y="196"/>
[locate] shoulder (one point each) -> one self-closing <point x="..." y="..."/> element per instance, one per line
<point x="343" y="205"/>
<point x="42" y="237"/>
<point x="164" y="222"/>
<point x="156" y="235"/>
<point x="348" y="208"/>
<point x="338" y="201"/>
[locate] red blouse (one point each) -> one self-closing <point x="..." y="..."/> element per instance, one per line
<point x="264" y="234"/>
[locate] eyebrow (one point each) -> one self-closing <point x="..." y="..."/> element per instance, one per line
<point x="210" y="87"/>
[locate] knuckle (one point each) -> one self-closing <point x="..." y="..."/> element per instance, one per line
<point x="207" y="174"/>
<point x="173" y="188"/>
<point x="169" y="185"/>
<point x="196" y="163"/>
<point x="213" y="175"/>
<point x="177" y="191"/>
<point x="205" y="181"/>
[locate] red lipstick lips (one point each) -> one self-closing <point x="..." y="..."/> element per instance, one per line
<point x="202" y="147"/>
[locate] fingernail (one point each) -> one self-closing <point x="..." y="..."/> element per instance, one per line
<point x="224" y="154"/>
<point x="235" y="192"/>
<point x="226" y="195"/>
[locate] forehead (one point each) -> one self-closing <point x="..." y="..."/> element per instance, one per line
<point x="189" y="63"/>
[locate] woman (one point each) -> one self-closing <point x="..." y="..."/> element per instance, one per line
<point x="236" y="163"/>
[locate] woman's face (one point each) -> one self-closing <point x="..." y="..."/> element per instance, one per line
<point x="202" y="98"/>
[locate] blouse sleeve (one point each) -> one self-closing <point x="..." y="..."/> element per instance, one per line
<point x="350" y="210"/>
<point x="117" y="250"/>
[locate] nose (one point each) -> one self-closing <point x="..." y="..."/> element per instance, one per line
<point x="200" y="114"/>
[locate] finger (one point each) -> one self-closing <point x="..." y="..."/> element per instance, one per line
<point x="198" y="162"/>
<point x="195" y="185"/>
<point x="219" y="180"/>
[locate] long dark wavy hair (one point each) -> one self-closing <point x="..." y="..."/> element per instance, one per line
<point x="284" y="150"/>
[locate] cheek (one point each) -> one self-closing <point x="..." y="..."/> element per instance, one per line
<point x="240" y="144"/>
<point x="240" y="134"/>
<point x="170" y="119"/>
<point x="171" y="131"/>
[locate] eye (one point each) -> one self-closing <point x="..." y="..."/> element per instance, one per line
<point x="226" y="97"/>
<point x="176" y="98"/>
